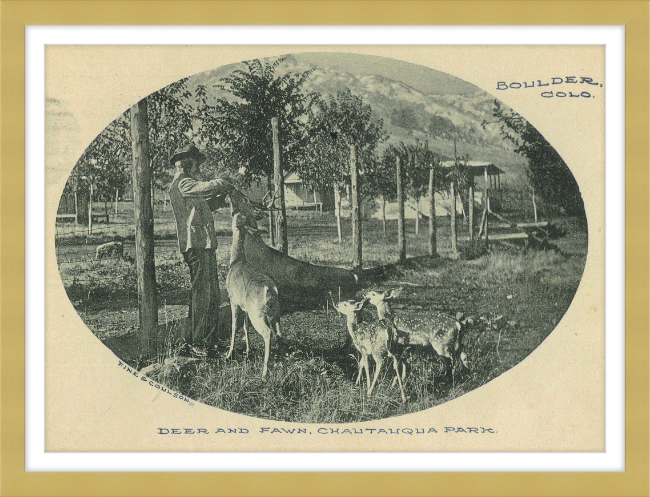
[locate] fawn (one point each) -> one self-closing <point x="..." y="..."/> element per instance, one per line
<point x="251" y="293"/>
<point x="442" y="332"/>
<point x="370" y="339"/>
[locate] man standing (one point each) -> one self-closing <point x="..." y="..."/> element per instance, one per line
<point x="197" y="241"/>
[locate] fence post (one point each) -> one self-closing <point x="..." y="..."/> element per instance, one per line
<point x="357" y="255"/>
<point x="454" y="239"/>
<point x="401" y="228"/>
<point x="487" y="207"/>
<point x="144" y="238"/>
<point x="337" y="211"/>
<point x="471" y="207"/>
<point x="90" y="208"/>
<point x="76" y="205"/>
<point x="433" y="249"/>
<point x="278" y="180"/>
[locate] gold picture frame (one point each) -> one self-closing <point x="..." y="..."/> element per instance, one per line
<point x="15" y="15"/>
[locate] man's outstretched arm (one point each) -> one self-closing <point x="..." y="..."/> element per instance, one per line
<point x="190" y="187"/>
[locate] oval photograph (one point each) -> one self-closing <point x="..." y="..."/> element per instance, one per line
<point x="320" y="237"/>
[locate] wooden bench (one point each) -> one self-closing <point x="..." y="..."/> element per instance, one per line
<point x="499" y="237"/>
<point x="97" y="217"/>
<point x="66" y="217"/>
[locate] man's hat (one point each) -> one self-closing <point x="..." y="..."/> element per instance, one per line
<point x="186" y="152"/>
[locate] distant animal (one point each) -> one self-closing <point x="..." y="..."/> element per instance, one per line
<point x="370" y="339"/>
<point x="251" y="293"/>
<point x="110" y="249"/>
<point x="442" y="332"/>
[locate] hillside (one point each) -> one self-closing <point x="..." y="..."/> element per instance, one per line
<point x="407" y="112"/>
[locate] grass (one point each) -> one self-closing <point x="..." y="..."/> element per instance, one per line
<point x="312" y="379"/>
<point x="515" y="299"/>
<point x="304" y="386"/>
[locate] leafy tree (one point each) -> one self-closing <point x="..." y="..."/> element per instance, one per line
<point x="461" y="174"/>
<point x="380" y="180"/>
<point x="336" y="123"/>
<point x="405" y="118"/>
<point x="418" y="161"/>
<point x="106" y="163"/>
<point x="441" y="127"/>
<point x="236" y="129"/>
<point x="549" y="175"/>
<point x="170" y="126"/>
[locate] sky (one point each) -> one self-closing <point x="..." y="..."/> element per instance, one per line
<point x="424" y="79"/>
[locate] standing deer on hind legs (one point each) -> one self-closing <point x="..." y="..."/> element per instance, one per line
<point x="370" y="339"/>
<point x="442" y="332"/>
<point x="251" y="293"/>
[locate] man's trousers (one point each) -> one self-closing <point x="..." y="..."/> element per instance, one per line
<point x="203" y="315"/>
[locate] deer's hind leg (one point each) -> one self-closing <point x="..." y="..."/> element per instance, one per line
<point x="403" y="375"/>
<point x="366" y="366"/>
<point x="397" y="375"/>
<point x="262" y="326"/>
<point x="378" y="363"/>
<point x="248" y="348"/>
<point x="361" y="366"/>
<point x="237" y="315"/>
<point x="275" y="326"/>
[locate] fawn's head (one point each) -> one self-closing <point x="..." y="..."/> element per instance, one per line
<point x="380" y="299"/>
<point x="350" y="308"/>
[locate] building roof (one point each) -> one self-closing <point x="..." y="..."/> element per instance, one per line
<point x="292" y="177"/>
<point x="478" y="167"/>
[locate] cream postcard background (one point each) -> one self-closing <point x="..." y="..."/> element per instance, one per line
<point x="554" y="400"/>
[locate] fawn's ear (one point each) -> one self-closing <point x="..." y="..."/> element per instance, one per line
<point x="393" y="293"/>
<point x="360" y="305"/>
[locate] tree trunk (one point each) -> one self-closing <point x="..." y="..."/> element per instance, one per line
<point x="470" y="194"/>
<point x="401" y="227"/>
<point x="454" y="239"/>
<point x="487" y="207"/>
<point x="144" y="237"/>
<point x="383" y="212"/>
<point x="487" y="220"/>
<point x="117" y="192"/>
<point x="278" y="180"/>
<point x="76" y="206"/>
<point x="153" y="194"/>
<point x="90" y="210"/>
<point x="433" y="249"/>
<point x="337" y="211"/>
<point x="417" y="215"/>
<point x="534" y="206"/>
<point x="357" y="249"/>
<point x="269" y="183"/>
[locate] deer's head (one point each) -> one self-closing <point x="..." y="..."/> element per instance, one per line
<point x="252" y="211"/>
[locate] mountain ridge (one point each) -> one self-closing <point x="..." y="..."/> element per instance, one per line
<point x="407" y="112"/>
